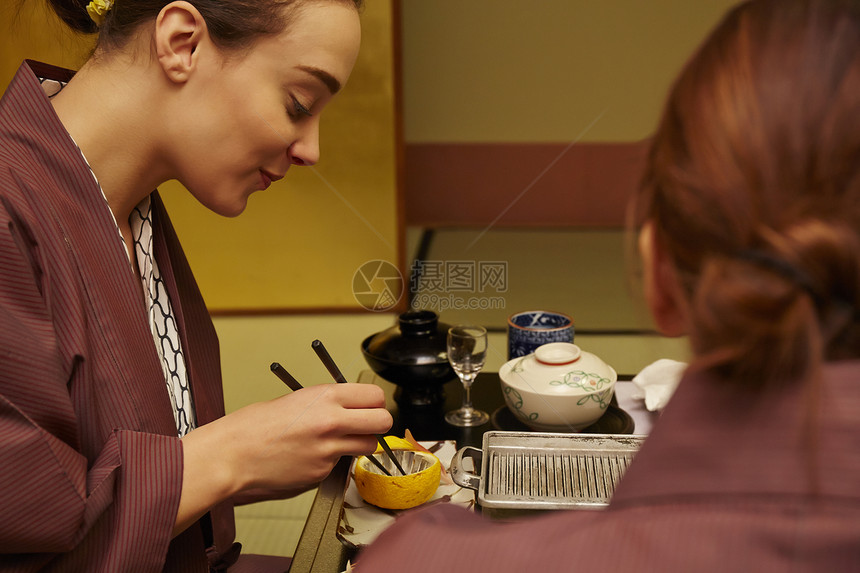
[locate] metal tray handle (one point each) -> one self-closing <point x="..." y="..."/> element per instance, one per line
<point x="462" y="477"/>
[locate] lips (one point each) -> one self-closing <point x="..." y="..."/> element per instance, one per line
<point x="265" y="179"/>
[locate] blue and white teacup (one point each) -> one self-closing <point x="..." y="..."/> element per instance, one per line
<point x="528" y="330"/>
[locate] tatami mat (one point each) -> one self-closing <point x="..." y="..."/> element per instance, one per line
<point x="583" y="273"/>
<point x="273" y="527"/>
<point x="591" y="275"/>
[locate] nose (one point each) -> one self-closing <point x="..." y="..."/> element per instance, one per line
<point x="306" y="149"/>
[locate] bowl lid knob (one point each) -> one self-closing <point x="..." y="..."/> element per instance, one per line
<point x="558" y="353"/>
<point x="418" y="322"/>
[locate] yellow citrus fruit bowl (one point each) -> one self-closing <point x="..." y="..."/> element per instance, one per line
<point x="423" y="471"/>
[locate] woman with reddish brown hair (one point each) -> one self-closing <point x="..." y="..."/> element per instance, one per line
<point x="750" y="236"/>
<point x="115" y="451"/>
<point x="752" y="194"/>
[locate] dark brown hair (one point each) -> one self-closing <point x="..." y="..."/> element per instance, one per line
<point x="231" y="23"/>
<point x="753" y="186"/>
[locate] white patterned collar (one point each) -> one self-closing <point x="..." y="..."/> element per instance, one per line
<point x="162" y="320"/>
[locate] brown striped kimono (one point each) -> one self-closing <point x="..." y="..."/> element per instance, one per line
<point x="90" y="465"/>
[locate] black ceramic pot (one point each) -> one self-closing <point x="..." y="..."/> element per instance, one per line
<point x="413" y="355"/>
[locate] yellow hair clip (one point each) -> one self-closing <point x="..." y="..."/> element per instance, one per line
<point x="98" y="9"/>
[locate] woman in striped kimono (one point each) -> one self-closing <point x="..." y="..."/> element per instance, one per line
<point x="115" y="453"/>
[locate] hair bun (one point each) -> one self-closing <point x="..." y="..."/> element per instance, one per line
<point x="74" y="14"/>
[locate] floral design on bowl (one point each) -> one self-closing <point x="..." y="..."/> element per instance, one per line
<point x="516" y="405"/>
<point x="559" y="388"/>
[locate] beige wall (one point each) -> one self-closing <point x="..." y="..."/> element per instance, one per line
<point x="249" y="344"/>
<point x="514" y="71"/>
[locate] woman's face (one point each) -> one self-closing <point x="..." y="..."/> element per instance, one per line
<point x="256" y="113"/>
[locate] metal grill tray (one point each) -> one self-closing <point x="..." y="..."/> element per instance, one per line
<point x="535" y="470"/>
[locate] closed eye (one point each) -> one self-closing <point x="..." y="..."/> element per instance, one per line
<point x="300" y="109"/>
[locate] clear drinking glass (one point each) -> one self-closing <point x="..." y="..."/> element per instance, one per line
<point x="467" y="350"/>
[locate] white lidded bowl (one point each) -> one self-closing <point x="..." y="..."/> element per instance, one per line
<point x="558" y="388"/>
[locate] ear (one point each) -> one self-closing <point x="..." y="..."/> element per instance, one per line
<point x="663" y="291"/>
<point x="179" y="31"/>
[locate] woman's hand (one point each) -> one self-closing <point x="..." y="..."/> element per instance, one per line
<point x="289" y="443"/>
<point x="295" y="440"/>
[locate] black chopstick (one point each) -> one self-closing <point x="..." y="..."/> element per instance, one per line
<point x="328" y="362"/>
<point x="377" y="463"/>
<point x="285" y="377"/>
<point x="294" y="385"/>
<point x="335" y="372"/>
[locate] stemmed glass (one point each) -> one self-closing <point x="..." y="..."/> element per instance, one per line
<point x="467" y="350"/>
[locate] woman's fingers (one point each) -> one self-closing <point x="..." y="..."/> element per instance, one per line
<point x="358" y="445"/>
<point x="341" y="409"/>
<point x="363" y="421"/>
<point x="356" y="395"/>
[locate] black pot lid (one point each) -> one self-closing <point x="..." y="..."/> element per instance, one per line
<point x="417" y="338"/>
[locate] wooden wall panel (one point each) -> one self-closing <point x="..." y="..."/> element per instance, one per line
<point x="521" y="184"/>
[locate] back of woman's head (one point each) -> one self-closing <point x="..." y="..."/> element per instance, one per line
<point x="753" y="186"/>
<point x="231" y="23"/>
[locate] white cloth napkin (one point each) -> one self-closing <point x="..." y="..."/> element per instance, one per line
<point x="657" y="382"/>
